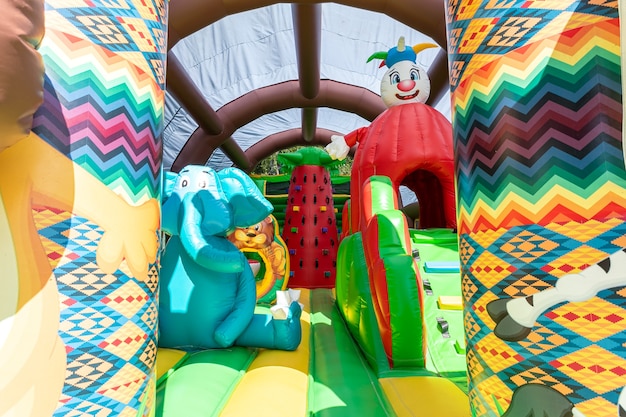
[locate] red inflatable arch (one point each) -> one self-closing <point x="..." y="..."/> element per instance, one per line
<point x="412" y="145"/>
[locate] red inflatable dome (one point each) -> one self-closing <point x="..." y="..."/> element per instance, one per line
<point x="412" y="145"/>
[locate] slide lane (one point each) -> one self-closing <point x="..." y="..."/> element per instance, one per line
<point x="343" y="382"/>
<point x="276" y="382"/>
<point x="199" y="383"/>
<point x="346" y="379"/>
<point x="436" y="252"/>
<point x="326" y="376"/>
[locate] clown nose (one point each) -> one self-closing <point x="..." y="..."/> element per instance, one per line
<point x="406" y="85"/>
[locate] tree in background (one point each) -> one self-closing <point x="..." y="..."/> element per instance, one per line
<point x="271" y="165"/>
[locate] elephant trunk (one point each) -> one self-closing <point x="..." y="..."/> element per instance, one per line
<point x="203" y="223"/>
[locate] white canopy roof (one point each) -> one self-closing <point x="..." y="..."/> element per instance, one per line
<point x="256" y="48"/>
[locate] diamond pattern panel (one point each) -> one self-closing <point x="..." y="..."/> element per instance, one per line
<point x="86" y="408"/>
<point x="596" y="368"/>
<point x="595" y="319"/>
<point x="467" y="9"/>
<point x="525" y="286"/>
<point x="469" y="288"/>
<point x="495" y="392"/>
<point x="542" y="340"/>
<point x="86" y="370"/>
<point x="540" y="376"/>
<point x="52" y="222"/>
<point x="472" y="328"/>
<point x="584" y="232"/>
<point x="499" y="355"/>
<point x="512" y="30"/>
<point x="474" y="362"/>
<point x="108" y="323"/>
<point x="595" y="407"/>
<point x="575" y="261"/>
<point x="490" y="269"/>
<point x="528" y="246"/>
<point x="486" y="238"/>
<point x="87" y="324"/>
<point x="124" y="385"/>
<point x="127" y="300"/>
<point x="475" y="34"/>
<point x="480" y="307"/>
<point x="574" y="348"/>
<point x="125" y="342"/>
<point x="149" y="317"/>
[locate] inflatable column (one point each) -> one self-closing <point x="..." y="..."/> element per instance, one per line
<point x="537" y="119"/>
<point x="310" y="230"/>
<point x="81" y="104"/>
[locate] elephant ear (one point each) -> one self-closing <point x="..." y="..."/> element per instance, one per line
<point x="169" y="181"/>
<point x="204" y="191"/>
<point x="249" y="206"/>
<point x="170" y="204"/>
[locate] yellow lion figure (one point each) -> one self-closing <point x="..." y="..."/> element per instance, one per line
<point x="264" y="239"/>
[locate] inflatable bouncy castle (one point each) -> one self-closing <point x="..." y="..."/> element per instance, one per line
<point x="122" y="295"/>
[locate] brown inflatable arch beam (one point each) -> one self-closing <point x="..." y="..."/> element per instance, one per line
<point x="270" y="99"/>
<point x="309" y="93"/>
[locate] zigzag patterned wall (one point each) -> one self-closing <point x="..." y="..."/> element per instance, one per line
<point x="539" y="132"/>
<point x="105" y="90"/>
<point x="537" y="116"/>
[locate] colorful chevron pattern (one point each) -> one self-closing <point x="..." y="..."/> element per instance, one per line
<point x="537" y="118"/>
<point x="104" y="100"/>
<point x="481" y="31"/>
<point x="104" y="91"/>
<point x="538" y="133"/>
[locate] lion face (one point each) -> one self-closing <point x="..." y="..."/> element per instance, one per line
<point x="258" y="236"/>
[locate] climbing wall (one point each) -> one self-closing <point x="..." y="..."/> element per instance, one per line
<point x="310" y="229"/>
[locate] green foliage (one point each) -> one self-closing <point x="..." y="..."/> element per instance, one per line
<point x="272" y="166"/>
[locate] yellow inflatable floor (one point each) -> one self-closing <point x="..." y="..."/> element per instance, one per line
<point x="325" y="376"/>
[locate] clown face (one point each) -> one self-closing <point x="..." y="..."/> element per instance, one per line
<point x="403" y="83"/>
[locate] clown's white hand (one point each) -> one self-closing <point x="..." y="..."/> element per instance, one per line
<point x="337" y="148"/>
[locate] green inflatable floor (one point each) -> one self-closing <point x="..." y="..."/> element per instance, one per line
<point x="438" y="259"/>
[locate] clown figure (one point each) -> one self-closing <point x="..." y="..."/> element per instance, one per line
<point x="404" y="82"/>
<point x="410" y="142"/>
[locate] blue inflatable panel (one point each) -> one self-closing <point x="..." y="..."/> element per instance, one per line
<point x="442" y="266"/>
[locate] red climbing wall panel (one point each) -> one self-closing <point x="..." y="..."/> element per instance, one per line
<point x="310" y="230"/>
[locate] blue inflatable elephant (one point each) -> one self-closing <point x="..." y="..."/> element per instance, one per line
<point x="208" y="291"/>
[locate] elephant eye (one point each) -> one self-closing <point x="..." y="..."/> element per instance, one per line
<point x="203" y="183"/>
<point x="184" y="182"/>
